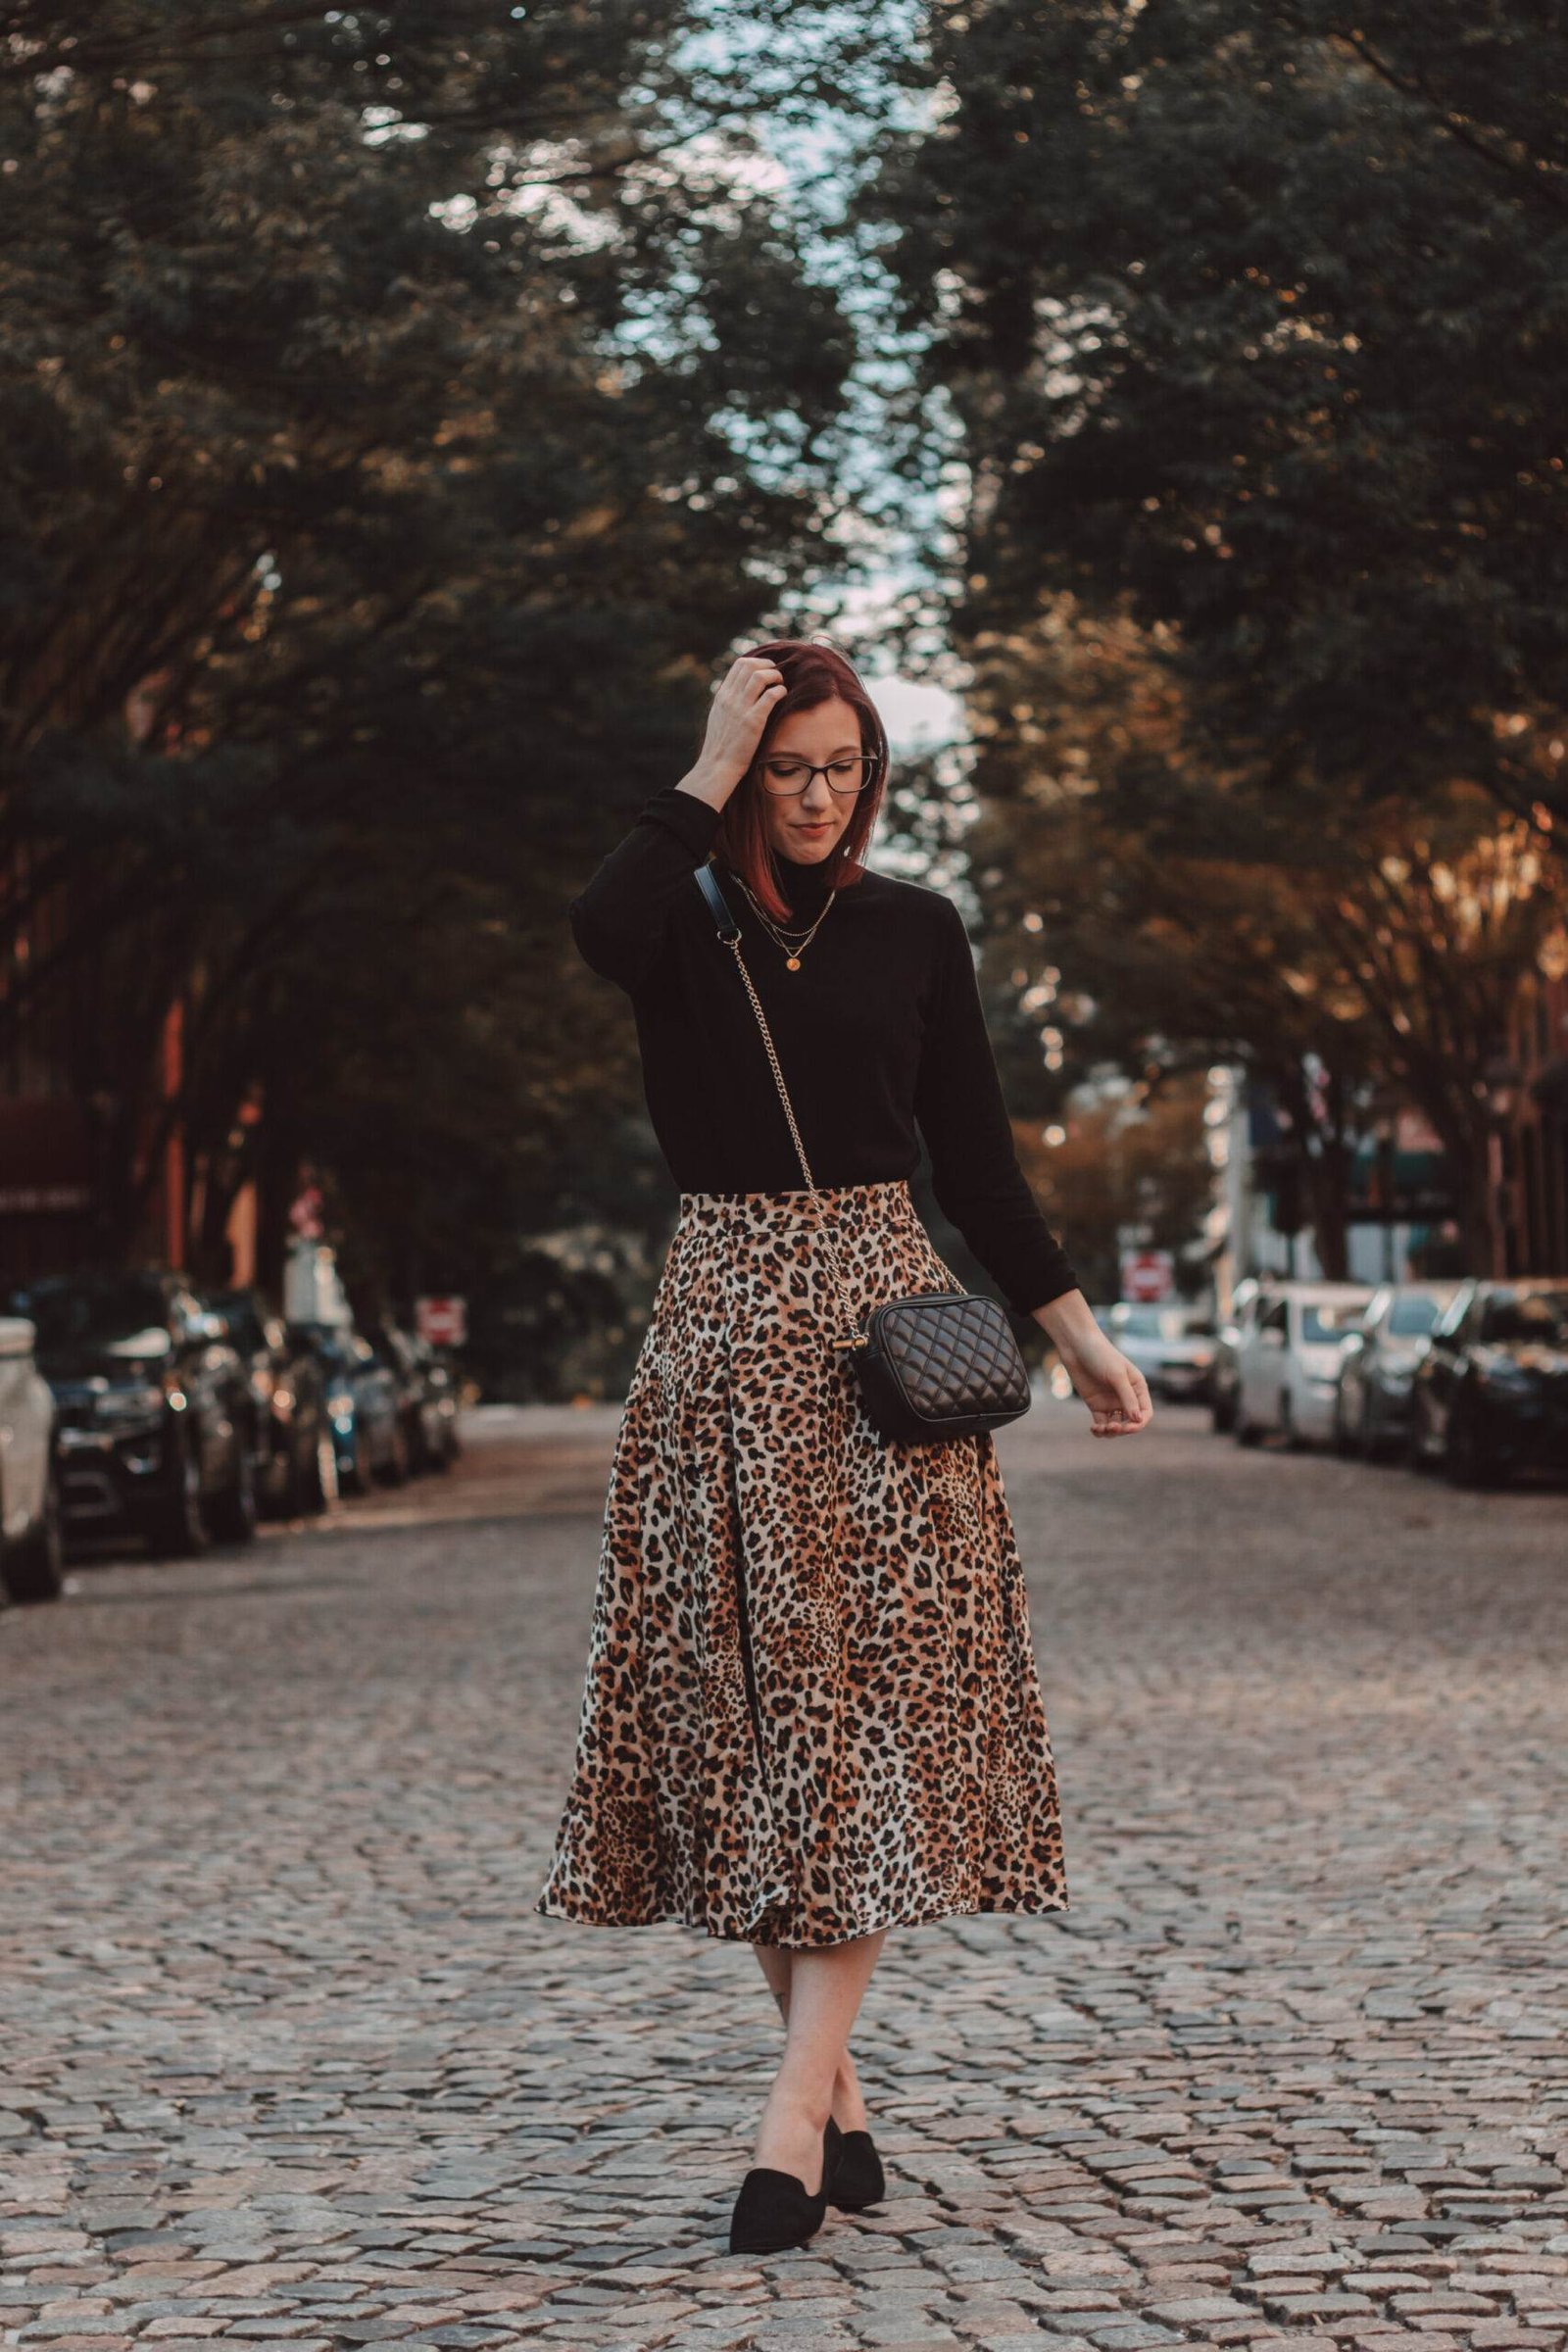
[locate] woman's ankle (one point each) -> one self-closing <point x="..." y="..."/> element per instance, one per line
<point x="790" y="2137"/>
<point x="849" y="2105"/>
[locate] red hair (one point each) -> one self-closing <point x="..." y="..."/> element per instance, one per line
<point x="812" y="674"/>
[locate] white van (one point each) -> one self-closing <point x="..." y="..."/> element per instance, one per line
<point x="1288" y="1359"/>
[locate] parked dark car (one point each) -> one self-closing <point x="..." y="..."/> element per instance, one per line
<point x="399" y="1350"/>
<point x="298" y="1471"/>
<point x="1378" y="1366"/>
<point x="441" y="1406"/>
<point x="1490" y="1396"/>
<point x="364" y="1406"/>
<point x="157" y="1428"/>
<point x="437" y="1421"/>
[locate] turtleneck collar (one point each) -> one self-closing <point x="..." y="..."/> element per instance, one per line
<point x="804" y="882"/>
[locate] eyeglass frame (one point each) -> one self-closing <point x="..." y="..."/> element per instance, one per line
<point x="868" y="761"/>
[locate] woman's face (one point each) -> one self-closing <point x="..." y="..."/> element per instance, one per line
<point x="806" y="825"/>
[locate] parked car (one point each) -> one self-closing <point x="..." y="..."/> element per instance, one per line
<point x="1173" y="1347"/>
<point x="1289" y="1360"/>
<point x="1224" y="1373"/>
<point x="398" y="1349"/>
<point x="1491" y="1394"/>
<point x="298" y="1467"/>
<point x="156" y="1427"/>
<point x="438" y="1405"/>
<point x="1378" y="1365"/>
<point x="363" y="1408"/>
<point x="29" y="1478"/>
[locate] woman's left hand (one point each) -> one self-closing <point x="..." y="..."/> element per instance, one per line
<point x="1113" y="1389"/>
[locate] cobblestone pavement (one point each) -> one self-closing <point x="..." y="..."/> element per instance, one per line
<point x="289" y="2059"/>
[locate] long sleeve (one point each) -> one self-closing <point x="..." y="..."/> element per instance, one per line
<point x="621" y="917"/>
<point x="974" y="1162"/>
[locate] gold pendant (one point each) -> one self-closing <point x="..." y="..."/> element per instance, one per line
<point x="793" y="963"/>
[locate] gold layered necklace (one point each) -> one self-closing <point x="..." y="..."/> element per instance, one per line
<point x="783" y="936"/>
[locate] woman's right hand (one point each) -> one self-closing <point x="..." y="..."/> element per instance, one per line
<point x="740" y="711"/>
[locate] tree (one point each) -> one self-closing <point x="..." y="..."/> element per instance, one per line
<point x="391" y="434"/>
<point x="1189" y="917"/>
<point x="1136" y="1158"/>
<point x="1254" y="317"/>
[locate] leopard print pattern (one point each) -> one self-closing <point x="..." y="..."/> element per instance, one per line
<point x="811" y="1706"/>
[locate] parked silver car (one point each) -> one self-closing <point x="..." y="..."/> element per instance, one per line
<point x="1378" y="1366"/>
<point x="1172" y="1346"/>
<point x="1289" y="1360"/>
<point x="1225" y="1373"/>
<point x="30" y="1483"/>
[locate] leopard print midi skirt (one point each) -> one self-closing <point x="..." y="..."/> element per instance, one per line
<point x="811" y="1706"/>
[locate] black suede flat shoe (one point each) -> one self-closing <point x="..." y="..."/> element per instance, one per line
<point x="854" y="2178"/>
<point x="773" y="2210"/>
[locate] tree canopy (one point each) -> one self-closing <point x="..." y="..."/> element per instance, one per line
<point x="1244" y="346"/>
<point x="400" y="412"/>
<point x="1256" y="316"/>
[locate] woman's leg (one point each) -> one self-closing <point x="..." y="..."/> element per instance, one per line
<point x="825" y="1989"/>
<point x="849" y="2101"/>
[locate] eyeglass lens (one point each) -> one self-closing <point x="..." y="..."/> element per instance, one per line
<point x="791" y="776"/>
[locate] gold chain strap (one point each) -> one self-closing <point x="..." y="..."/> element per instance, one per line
<point x="853" y="1337"/>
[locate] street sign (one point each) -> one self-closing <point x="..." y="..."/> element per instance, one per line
<point x="1148" y="1276"/>
<point x="443" y="1322"/>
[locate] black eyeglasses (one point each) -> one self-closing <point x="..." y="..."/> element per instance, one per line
<point x="787" y="776"/>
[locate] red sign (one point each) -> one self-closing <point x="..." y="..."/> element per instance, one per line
<point x="443" y="1322"/>
<point x="1148" y="1276"/>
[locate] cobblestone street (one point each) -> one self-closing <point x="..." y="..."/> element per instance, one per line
<point x="288" y="2058"/>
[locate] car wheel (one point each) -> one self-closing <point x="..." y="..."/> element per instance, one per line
<point x="174" y="1529"/>
<point x="233" y="1511"/>
<point x="395" y="1469"/>
<point x="355" y="1475"/>
<point x="34" y="1568"/>
<point x="1419" y="1451"/>
<point x="283" y="1494"/>
<point x="321" y="1481"/>
<point x="312" y="1476"/>
<point x="1466" y="1457"/>
<point x="305" y="1480"/>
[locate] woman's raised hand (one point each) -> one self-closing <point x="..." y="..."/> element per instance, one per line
<point x="752" y="687"/>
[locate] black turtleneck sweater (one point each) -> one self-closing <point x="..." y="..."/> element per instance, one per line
<point x="879" y="1033"/>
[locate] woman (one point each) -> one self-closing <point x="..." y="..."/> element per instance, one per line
<point x="811" y="1711"/>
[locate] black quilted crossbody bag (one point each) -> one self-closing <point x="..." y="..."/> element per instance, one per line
<point x="934" y="1366"/>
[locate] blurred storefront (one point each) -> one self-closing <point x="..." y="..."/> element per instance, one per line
<point x="46" y="1186"/>
<point x="1403" y="1211"/>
